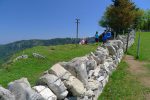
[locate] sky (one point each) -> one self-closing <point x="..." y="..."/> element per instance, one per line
<point x="46" y="19"/>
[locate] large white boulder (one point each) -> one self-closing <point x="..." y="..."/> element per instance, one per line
<point x="45" y="92"/>
<point x="100" y="55"/>
<point x="78" y="68"/>
<point x="93" y="84"/>
<point x="55" y="84"/>
<point x="94" y="57"/>
<point x="74" y="85"/>
<point x="96" y="72"/>
<point x="23" y="91"/>
<point x="106" y="67"/>
<point x="6" y="94"/>
<point x="91" y="64"/>
<point x="111" y="49"/>
<point x="118" y="43"/>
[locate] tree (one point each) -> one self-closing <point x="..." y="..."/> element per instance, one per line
<point x="120" y="15"/>
<point x="116" y="2"/>
<point x="144" y="21"/>
<point x="139" y="22"/>
<point x="103" y="22"/>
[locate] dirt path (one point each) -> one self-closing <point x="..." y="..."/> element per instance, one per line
<point x="141" y="73"/>
<point x="137" y="68"/>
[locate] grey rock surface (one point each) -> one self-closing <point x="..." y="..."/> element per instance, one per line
<point x="75" y="86"/>
<point x="23" y="91"/>
<point x="55" y="84"/>
<point x="45" y="92"/>
<point x="6" y="94"/>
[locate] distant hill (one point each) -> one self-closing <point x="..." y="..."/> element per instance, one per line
<point x="7" y="50"/>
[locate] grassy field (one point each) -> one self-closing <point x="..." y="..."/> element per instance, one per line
<point x="32" y="68"/>
<point x="122" y="84"/>
<point x="144" y="47"/>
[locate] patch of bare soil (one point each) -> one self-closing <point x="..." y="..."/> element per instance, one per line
<point x="137" y="68"/>
<point x="139" y="71"/>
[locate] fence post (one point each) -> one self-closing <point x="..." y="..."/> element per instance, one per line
<point x="127" y="42"/>
<point x="114" y="35"/>
<point x="123" y="32"/>
<point x="138" y="47"/>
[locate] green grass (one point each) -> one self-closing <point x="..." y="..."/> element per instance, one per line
<point x="144" y="47"/>
<point x="123" y="86"/>
<point x="32" y="68"/>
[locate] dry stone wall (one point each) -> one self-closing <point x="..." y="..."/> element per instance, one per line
<point x="82" y="78"/>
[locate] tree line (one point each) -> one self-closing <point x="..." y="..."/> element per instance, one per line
<point x="144" y="21"/>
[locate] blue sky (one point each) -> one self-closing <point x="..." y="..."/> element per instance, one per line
<point x="46" y="19"/>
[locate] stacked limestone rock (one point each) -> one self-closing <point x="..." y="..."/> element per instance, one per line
<point x="82" y="78"/>
<point x="123" y="38"/>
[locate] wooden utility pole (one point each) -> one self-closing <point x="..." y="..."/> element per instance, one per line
<point x="77" y="22"/>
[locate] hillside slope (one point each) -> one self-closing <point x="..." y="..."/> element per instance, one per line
<point x="32" y="67"/>
<point x="8" y="49"/>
